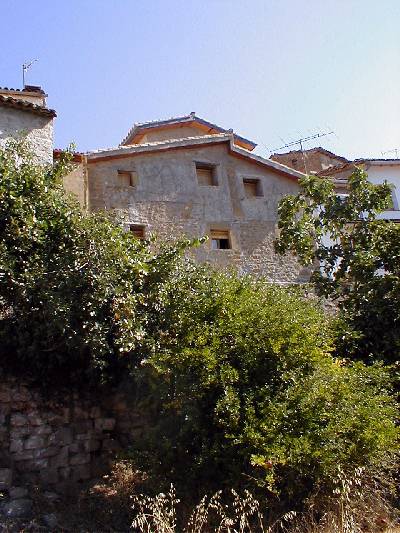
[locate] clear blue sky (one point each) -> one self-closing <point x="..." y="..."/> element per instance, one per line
<point x="273" y="71"/>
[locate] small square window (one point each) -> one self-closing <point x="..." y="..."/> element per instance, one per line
<point x="127" y="178"/>
<point x="138" y="230"/>
<point x="252" y="187"/>
<point x="220" y="240"/>
<point x="206" y="175"/>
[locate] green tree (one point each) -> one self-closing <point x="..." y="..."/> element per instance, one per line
<point x="358" y="267"/>
<point x="74" y="287"/>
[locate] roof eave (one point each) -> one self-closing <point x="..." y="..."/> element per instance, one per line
<point x="127" y="151"/>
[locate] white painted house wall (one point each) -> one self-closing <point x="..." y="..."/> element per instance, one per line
<point x="378" y="172"/>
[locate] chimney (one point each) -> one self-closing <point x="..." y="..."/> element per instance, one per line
<point x="30" y="93"/>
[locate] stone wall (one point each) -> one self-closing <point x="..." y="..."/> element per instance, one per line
<point x="170" y="203"/>
<point x="64" y="440"/>
<point x="38" y="130"/>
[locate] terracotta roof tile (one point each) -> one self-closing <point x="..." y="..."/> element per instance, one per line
<point x="8" y="101"/>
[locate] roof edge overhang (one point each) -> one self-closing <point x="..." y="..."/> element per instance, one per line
<point x="192" y="143"/>
<point x="22" y="105"/>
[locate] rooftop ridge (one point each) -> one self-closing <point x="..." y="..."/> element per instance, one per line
<point x="192" y="117"/>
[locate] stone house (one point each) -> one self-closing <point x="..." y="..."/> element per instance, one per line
<point x="24" y="112"/>
<point x="187" y="177"/>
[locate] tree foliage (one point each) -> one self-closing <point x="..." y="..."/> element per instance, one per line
<point x="355" y="258"/>
<point x="74" y="287"/>
<point x="244" y="392"/>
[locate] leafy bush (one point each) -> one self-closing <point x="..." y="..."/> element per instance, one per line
<point x="245" y="393"/>
<point x="74" y="287"/>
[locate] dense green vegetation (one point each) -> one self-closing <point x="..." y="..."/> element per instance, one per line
<point x="359" y="268"/>
<point x="74" y="288"/>
<point x="237" y="374"/>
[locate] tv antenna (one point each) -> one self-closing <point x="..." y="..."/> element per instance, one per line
<point x="395" y="151"/>
<point x="26" y="66"/>
<point x="300" y="142"/>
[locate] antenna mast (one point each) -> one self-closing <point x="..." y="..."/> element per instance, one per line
<point x="394" y="151"/>
<point x="300" y="143"/>
<point x="26" y="66"/>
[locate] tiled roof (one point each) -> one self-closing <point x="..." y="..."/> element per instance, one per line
<point x="139" y="127"/>
<point x="8" y="101"/>
<point x="313" y="150"/>
<point x="76" y="156"/>
<point x="379" y="161"/>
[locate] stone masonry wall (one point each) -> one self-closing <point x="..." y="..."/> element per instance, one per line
<point x="61" y="441"/>
<point x="38" y="131"/>
<point x="169" y="202"/>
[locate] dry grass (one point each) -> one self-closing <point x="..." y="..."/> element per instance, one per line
<point x="115" y="504"/>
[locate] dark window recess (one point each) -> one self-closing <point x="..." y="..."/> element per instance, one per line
<point x="127" y="178"/>
<point x="220" y="240"/>
<point x="137" y="230"/>
<point x="252" y="187"/>
<point x="206" y="175"/>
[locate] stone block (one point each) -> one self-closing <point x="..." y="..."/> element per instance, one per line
<point x="65" y="473"/>
<point x="34" y="465"/>
<point x="5" y="396"/>
<point x="105" y="424"/>
<point x="50" y="520"/>
<point x="75" y="447"/>
<point x="62" y="437"/>
<point x="18" y="508"/>
<point x="111" y="445"/>
<point x="43" y="453"/>
<point x="16" y="445"/>
<point x="17" y="419"/>
<point x="20" y="431"/>
<point x="42" y="430"/>
<point x="22" y="395"/>
<point x="61" y="459"/>
<point x="95" y="412"/>
<point x="81" y="473"/>
<point x="18" y="492"/>
<point x="89" y="435"/>
<point x="79" y="413"/>
<point x="35" y="442"/>
<point x="79" y="459"/>
<point x="83" y="426"/>
<point x="35" y="419"/>
<point x="23" y="456"/>
<point x="91" y="445"/>
<point x="49" y="476"/>
<point x="5" y="478"/>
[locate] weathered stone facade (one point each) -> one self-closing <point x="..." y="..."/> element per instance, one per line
<point x="167" y="198"/>
<point x="64" y="439"/>
<point x="23" y="113"/>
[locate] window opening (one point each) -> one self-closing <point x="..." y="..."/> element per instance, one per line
<point x="206" y="174"/>
<point x="128" y="178"/>
<point x="220" y="240"/>
<point x="252" y="187"/>
<point x="137" y="230"/>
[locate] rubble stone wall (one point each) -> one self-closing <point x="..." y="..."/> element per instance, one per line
<point x="170" y="203"/>
<point x="64" y="440"/>
<point x="37" y="129"/>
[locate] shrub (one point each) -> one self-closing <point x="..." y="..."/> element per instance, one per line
<point x="245" y="392"/>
